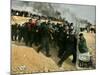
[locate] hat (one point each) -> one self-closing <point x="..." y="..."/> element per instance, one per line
<point x="81" y="34"/>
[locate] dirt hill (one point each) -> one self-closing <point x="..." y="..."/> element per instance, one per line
<point x="27" y="60"/>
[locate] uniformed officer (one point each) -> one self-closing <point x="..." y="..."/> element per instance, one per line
<point x="45" y="39"/>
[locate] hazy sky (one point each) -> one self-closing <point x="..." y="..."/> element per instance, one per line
<point x="81" y="11"/>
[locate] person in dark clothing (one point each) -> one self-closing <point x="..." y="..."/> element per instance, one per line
<point x="62" y="41"/>
<point x="29" y="35"/>
<point x="44" y="39"/>
<point x="71" y="28"/>
<point x="14" y="32"/>
<point x="55" y="35"/>
<point x="21" y="33"/>
<point x="82" y="44"/>
<point x="36" y="35"/>
<point x="26" y="34"/>
<point x="70" y="49"/>
<point x="37" y="32"/>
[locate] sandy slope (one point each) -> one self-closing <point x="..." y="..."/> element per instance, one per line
<point x="27" y="60"/>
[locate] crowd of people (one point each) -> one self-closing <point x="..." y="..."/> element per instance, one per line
<point x="43" y="34"/>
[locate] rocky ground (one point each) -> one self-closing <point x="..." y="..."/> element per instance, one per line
<point x="27" y="60"/>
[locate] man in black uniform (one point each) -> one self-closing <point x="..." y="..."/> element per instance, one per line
<point x="69" y="50"/>
<point x="28" y="32"/>
<point x="69" y="47"/>
<point x="37" y="32"/>
<point x="61" y="41"/>
<point x="44" y="39"/>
